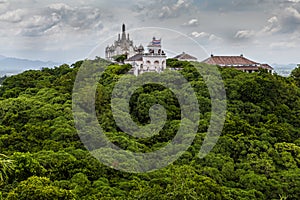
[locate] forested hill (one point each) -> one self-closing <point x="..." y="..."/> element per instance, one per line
<point x="256" y="157"/>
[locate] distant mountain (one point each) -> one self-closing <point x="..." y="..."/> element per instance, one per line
<point x="10" y="66"/>
<point x="284" y="70"/>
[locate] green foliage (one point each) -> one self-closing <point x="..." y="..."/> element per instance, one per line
<point x="120" y="58"/>
<point x="6" y="168"/>
<point x="2" y="79"/>
<point x="295" y="74"/>
<point x="39" y="188"/>
<point x="256" y="157"/>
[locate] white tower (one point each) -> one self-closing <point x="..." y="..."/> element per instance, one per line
<point x="153" y="61"/>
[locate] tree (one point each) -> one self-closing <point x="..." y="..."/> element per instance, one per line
<point x="39" y="188"/>
<point x="295" y="74"/>
<point x="6" y="168"/>
<point x="120" y="58"/>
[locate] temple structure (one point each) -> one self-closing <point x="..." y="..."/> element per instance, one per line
<point x="122" y="46"/>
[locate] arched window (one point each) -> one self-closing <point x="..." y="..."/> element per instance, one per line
<point x="156" y="64"/>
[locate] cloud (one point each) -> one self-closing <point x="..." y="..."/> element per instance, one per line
<point x="258" y="25"/>
<point x="235" y="5"/>
<point x="290" y="20"/>
<point x="180" y="4"/>
<point x="3" y="5"/>
<point x="51" y="19"/>
<point x="204" y="35"/>
<point x="200" y="34"/>
<point x="59" y="7"/>
<point x="174" y="10"/>
<point x="80" y="18"/>
<point x="244" y="34"/>
<point x="285" y="22"/>
<point x="273" y="25"/>
<point x="162" y="9"/>
<point x="39" y="25"/>
<point x="192" y="22"/>
<point x="13" y="16"/>
<point x="294" y="1"/>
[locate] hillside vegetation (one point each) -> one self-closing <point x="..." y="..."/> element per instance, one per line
<point x="256" y="157"/>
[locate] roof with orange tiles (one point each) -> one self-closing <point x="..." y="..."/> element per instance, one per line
<point x="229" y="60"/>
<point x="234" y="61"/>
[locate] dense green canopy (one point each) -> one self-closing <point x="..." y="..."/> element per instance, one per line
<point x="256" y="157"/>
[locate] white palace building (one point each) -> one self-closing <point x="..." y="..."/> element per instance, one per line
<point x="154" y="60"/>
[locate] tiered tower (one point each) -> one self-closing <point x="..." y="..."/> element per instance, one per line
<point x="122" y="46"/>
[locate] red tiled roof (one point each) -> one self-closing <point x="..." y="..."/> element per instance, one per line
<point x="266" y="66"/>
<point x="229" y="61"/>
<point x="235" y="61"/>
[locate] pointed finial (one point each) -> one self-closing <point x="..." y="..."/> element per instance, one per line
<point x="123" y="28"/>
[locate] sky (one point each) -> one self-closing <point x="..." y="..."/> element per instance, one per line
<point x="266" y="31"/>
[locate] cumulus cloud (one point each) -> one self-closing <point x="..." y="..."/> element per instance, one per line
<point x="244" y="34"/>
<point x="285" y="22"/>
<point x="192" y="22"/>
<point x="200" y="34"/>
<point x="13" y="16"/>
<point x="180" y="4"/>
<point x="204" y="35"/>
<point x="272" y="26"/>
<point x="170" y="10"/>
<point x="54" y="18"/>
<point x="290" y="20"/>
<point x="162" y="9"/>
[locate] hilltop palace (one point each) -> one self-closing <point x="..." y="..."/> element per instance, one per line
<point x="152" y="61"/>
<point x="155" y="59"/>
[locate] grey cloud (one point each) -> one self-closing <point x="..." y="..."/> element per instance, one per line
<point x="53" y="18"/>
<point x="290" y="20"/>
<point x="79" y="18"/>
<point x="243" y="5"/>
<point x="244" y="34"/>
<point x="286" y="21"/>
<point x="162" y="9"/>
<point x="38" y="25"/>
<point x="272" y="26"/>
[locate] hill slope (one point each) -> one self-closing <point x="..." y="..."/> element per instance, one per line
<point x="256" y="157"/>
